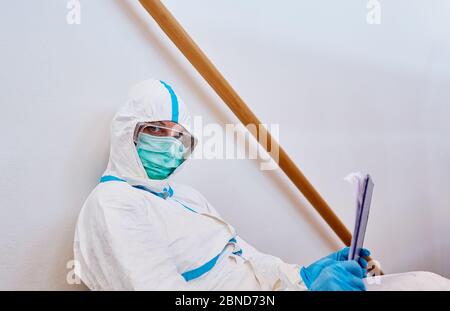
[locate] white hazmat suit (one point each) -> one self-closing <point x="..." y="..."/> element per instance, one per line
<point x="159" y="235"/>
<point x="134" y="233"/>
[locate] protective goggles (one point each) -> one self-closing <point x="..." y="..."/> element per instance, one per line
<point x="177" y="131"/>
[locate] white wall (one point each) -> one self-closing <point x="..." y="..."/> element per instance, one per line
<point x="347" y="95"/>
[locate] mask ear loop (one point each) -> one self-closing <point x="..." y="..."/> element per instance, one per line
<point x="135" y="138"/>
<point x="137" y="130"/>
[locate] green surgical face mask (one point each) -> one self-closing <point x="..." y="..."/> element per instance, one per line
<point x="160" y="156"/>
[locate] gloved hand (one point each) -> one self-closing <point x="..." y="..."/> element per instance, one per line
<point x="340" y="276"/>
<point x="311" y="273"/>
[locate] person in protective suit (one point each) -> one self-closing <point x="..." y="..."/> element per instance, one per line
<point x="138" y="230"/>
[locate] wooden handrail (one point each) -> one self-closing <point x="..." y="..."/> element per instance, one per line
<point x="209" y="72"/>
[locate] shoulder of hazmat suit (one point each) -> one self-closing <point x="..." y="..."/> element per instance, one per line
<point x="135" y="233"/>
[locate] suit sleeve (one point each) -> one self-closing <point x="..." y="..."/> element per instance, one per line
<point x="272" y="272"/>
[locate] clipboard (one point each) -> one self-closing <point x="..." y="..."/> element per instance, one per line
<point x="362" y="217"/>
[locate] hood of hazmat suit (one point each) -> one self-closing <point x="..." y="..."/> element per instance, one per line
<point x="134" y="233"/>
<point x="150" y="100"/>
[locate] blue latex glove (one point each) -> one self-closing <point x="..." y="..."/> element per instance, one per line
<point x="340" y="276"/>
<point x="312" y="272"/>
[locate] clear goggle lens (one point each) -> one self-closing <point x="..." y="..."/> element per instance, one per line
<point x="175" y="131"/>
